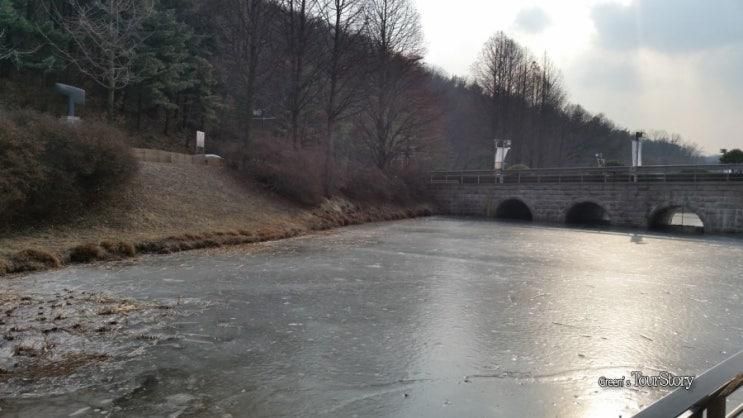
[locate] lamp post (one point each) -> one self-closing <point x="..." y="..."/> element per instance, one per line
<point x="600" y="161"/>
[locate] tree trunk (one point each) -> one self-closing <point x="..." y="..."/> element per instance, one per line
<point x="253" y="55"/>
<point x="185" y="109"/>
<point x="248" y="123"/>
<point x="167" y="122"/>
<point x="329" y="153"/>
<point x="111" y="101"/>
<point x="295" y="128"/>
<point x="111" y="85"/>
<point x="331" y="105"/>
<point x="139" y="111"/>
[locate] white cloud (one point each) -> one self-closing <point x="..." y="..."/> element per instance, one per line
<point x="672" y="26"/>
<point x="532" y="20"/>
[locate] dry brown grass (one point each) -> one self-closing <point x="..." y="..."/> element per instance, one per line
<point x="174" y="208"/>
<point x="87" y="252"/>
<point x="120" y="249"/>
<point x="63" y="367"/>
<point x="32" y="259"/>
<point x="340" y="212"/>
<point x="118" y="308"/>
<point x="290" y="172"/>
<point x="164" y="200"/>
<point x="185" y="242"/>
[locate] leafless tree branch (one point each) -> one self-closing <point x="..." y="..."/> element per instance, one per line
<point x="104" y="39"/>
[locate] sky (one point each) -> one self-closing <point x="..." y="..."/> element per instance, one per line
<point x="675" y="65"/>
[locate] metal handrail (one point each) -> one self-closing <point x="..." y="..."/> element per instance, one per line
<point x="644" y="174"/>
<point x="708" y="394"/>
<point x="733" y="167"/>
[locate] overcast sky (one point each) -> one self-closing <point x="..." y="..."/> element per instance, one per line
<point x="675" y="65"/>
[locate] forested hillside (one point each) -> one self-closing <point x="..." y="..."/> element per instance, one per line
<point x="335" y="89"/>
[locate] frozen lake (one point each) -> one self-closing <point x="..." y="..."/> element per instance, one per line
<point x="429" y="317"/>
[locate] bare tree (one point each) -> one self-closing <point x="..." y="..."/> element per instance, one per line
<point x="245" y="35"/>
<point x="550" y="98"/>
<point x="396" y="109"/>
<point x="399" y="120"/>
<point x="105" y="36"/>
<point x="394" y="28"/>
<point x="344" y="18"/>
<point x="524" y="97"/>
<point x="301" y="46"/>
<point x="497" y="72"/>
<point x="550" y="89"/>
<point x="670" y="148"/>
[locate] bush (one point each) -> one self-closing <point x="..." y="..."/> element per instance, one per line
<point x="368" y="184"/>
<point x="86" y="253"/>
<point x="416" y="181"/>
<point x="399" y="185"/>
<point x="295" y="174"/>
<point x="121" y="249"/>
<point x="20" y="168"/>
<point x="32" y="259"/>
<point x="50" y="169"/>
<point x="299" y="175"/>
<point x="734" y="156"/>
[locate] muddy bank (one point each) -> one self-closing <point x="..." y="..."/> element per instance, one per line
<point x="171" y="207"/>
<point x="332" y="214"/>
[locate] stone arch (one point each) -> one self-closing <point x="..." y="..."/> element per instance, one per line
<point x="662" y="218"/>
<point x="514" y="208"/>
<point x="587" y="213"/>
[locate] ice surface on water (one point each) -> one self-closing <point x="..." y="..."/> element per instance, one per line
<point x="431" y="317"/>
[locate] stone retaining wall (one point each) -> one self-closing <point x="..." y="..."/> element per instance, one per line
<point x="158" y="156"/>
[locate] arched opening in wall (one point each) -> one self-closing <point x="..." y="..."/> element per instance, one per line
<point x="587" y="214"/>
<point x="676" y="219"/>
<point x="514" y="209"/>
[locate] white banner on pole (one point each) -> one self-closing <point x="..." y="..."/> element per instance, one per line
<point x="639" y="153"/>
<point x="200" y="136"/>
<point x="634" y="153"/>
<point x="501" y="152"/>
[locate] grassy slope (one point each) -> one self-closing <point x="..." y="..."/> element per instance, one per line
<point x="164" y="199"/>
<point x="170" y="204"/>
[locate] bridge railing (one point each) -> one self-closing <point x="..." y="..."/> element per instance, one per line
<point x="708" y="397"/>
<point x="644" y="174"/>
